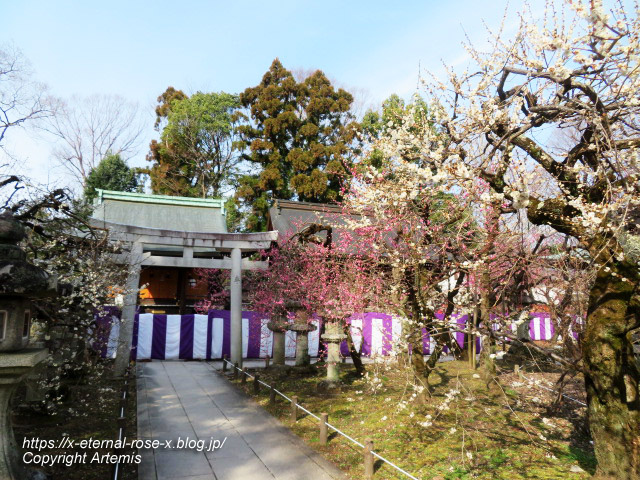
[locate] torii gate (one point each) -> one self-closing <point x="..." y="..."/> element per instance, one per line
<point x="231" y="244"/>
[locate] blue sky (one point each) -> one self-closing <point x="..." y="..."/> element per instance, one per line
<point x="138" y="48"/>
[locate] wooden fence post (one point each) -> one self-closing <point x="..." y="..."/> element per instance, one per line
<point x="266" y="362"/>
<point x="121" y="422"/>
<point x="324" y="433"/>
<point x="243" y="380"/>
<point x="368" y="460"/>
<point x="294" y="409"/>
<point x="235" y="371"/>
<point x="224" y="362"/>
<point x="256" y="384"/>
<point x="272" y="396"/>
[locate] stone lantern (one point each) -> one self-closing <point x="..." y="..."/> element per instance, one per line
<point x="333" y="336"/>
<point x="278" y="325"/>
<point x="302" y="327"/>
<point x="20" y="281"/>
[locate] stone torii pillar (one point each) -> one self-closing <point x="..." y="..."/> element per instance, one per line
<point x="233" y="243"/>
<point x="236" y="306"/>
<point x="125" y="336"/>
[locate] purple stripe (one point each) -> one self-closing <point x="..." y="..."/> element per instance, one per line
<point x="186" y="337"/>
<point x="367" y="333"/>
<point x="103" y="323"/>
<point x="209" y="333"/>
<point x="159" y="337"/>
<point x="344" y="347"/>
<point x="532" y="331"/>
<point x="134" y="342"/>
<point x="543" y="330"/>
<point x="226" y="337"/>
<point x="255" y="334"/>
<point x="462" y="322"/>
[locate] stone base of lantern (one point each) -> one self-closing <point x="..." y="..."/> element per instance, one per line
<point x="14" y="367"/>
<point x="328" y="387"/>
<point x="302" y="342"/>
<point x="278" y="327"/>
<point x="333" y="338"/>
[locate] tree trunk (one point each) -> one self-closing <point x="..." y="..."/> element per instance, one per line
<point x="487" y="354"/>
<point x="431" y="363"/>
<point x="612" y="377"/>
<point x="355" y="354"/>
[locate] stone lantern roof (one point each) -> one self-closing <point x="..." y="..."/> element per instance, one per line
<point x="17" y="276"/>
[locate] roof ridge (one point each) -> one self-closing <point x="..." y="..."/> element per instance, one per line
<point x="158" y="199"/>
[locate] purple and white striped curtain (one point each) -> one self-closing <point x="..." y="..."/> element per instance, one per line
<point x="104" y="336"/>
<point x="208" y="336"/>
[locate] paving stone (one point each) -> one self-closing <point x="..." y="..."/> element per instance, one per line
<point x="189" y="399"/>
<point x="229" y="468"/>
<point x="175" y="464"/>
<point x="147" y="467"/>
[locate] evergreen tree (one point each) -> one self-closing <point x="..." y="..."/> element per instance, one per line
<point x="112" y="173"/>
<point x="301" y="137"/>
<point x="196" y="155"/>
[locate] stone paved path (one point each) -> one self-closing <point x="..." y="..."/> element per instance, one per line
<point x="190" y="399"/>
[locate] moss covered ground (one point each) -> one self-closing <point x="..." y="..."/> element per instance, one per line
<point x="507" y="431"/>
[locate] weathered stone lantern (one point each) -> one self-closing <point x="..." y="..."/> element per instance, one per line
<point x="20" y="281"/>
<point x="278" y="325"/>
<point x="302" y="327"/>
<point x="333" y="336"/>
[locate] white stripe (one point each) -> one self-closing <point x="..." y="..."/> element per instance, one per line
<point x="356" y="333"/>
<point x="145" y="334"/>
<point x="547" y="326"/>
<point x="114" y="333"/>
<point x="266" y="338"/>
<point x="200" y="336"/>
<point x="536" y="329"/>
<point x="376" y="336"/>
<point x="314" y="340"/>
<point x="217" y="334"/>
<point x="290" y="344"/>
<point x="396" y="333"/>
<point x="172" y="344"/>
<point x="245" y="337"/>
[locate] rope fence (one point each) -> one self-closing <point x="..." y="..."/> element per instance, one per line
<point x="121" y="421"/>
<point x="369" y="454"/>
